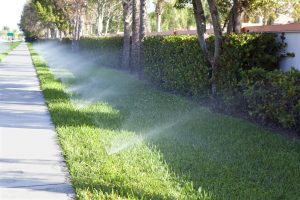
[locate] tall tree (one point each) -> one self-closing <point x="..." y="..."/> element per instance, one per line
<point x="230" y="12"/>
<point x="217" y="43"/>
<point x="270" y="9"/>
<point x="30" y="23"/>
<point x="234" y="24"/>
<point x="143" y="28"/>
<point x="158" y="12"/>
<point x="105" y="11"/>
<point x="111" y="12"/>
<point x="201" y="26"/>
<point x="172" y="17"/>
<point x="49" y="12"/>
<point x="296" y="12"/>
<point x="100" y="9"/>
<point x="127" y="11"/>
<point x="74" y="10"/>
<point x="159" y="9"/>
<point x="212" y="58"/>
<point x="135" y="44"/>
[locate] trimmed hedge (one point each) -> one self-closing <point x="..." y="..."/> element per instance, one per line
<point x="66" y="41"/>
<point x="106" y="51"/>
<point x="247" y="78"/>
<point x="273" y="96"/>
<point x="242" y="52"/>
<point x="176" y="63"/>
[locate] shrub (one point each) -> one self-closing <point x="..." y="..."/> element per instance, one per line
<point x="176" y="63"/>
<point x="273" y="96"/>
<point x="252" y="49"/>
<point x="106" y="51"/>
<point x="66" y="41"/>
<point x="242" y="52"/>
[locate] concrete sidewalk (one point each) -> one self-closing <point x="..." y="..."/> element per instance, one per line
<point x="31" y="165"/>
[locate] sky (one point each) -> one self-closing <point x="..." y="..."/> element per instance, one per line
<point x="10" y="13"/>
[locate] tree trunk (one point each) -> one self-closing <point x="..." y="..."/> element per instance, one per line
<point x="234" y="24"/>
<point x="99" y="19"/>
<point x="135" y="45"/>
<point x="74" y="28"/>
<point x="217" y="44"/>
<point x="201" y="26"/>
<point x="143" y="28"/>
<point x="158" y="11"/>
<point x="65" y="33"/>
<point x="107" y="26"/>
<point x="75" y="33"/>
<point x="230" y="21"/>
<point x="52" y="33"/>
<point x="127" y="4"/>
<point x="236" y="16"/>
<point x="99" y="24"/>
<point x="48" y="33"/>
<point x="118" y="26"/>
<point x="80" y="27"/>
<point x="158" y="22"/>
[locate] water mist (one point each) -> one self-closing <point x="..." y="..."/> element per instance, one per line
<point x="89" y="82"/>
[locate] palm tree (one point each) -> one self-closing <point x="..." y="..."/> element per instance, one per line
<point x="127" y="9"/>
<point x="158" y="12"/>
<point x="143" y="29"/>
<point x="135" y="44"/>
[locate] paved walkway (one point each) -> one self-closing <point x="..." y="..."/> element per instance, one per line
<point x="31" y="165"/>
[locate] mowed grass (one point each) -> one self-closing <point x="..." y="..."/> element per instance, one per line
<point x="163" y="146"/>
<point x="9" y="46"/>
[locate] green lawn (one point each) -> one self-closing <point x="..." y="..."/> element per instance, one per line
<point x="123" y="139"/>
<point x="10" y="46"/>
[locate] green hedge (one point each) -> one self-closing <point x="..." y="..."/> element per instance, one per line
<point x="106" y="51"/>
<point x="66" y="41"/>
<point x="176" y="63"/>
<point x="273" y="96"/>
<point x="242" y="52"/>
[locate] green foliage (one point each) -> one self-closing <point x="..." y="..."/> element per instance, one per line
<point x="107" y="50"/>
<point x="50" y="13"/>
<point x="201" y="155"/>
<point x="296" y="12"/>
<point x="100" y="43"/>
<point x="30" y="23"/>
<point x="173" y="18"/>
<point x="66" y="41"/>
<point x="176" y="63"/>
<point x="244" y="51"/>
<point x="273" y="96"/>
<point x="241" y="52"/>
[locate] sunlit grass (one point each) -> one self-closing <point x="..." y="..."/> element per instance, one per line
<point x="175" y="149"/>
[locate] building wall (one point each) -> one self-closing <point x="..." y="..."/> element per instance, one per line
<point x="293" y="46"/>
<point x="292" y="34"/>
